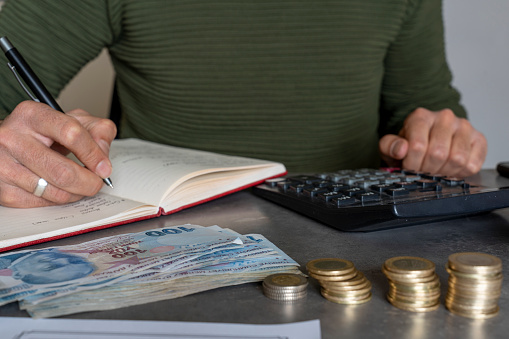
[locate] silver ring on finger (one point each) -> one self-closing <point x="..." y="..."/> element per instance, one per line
<point x="40" y="188"/>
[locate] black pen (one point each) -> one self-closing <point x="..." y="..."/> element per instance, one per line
<point x="18" y="65"/>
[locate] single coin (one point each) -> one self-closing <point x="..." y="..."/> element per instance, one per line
<point x="491" y="283"/>
<point x="408" y="278"/>
<point x="348" y="293"/>
<point x="350" y="301"/>
<point x="416" y="287"/>
<point x="416" y="295"/>
<point x="285" y="280"/>
<point x="332" y="286"/>
<point x="411" y="307"/>
<point x="474" y="276"/>
<point x="404" y="265"/>
<point x="473" y="314"/>
<point x="358" y="279"/>
<point x="473" y="262"/>
<point x="343" y="277"/>
<point x="330" y="266"/>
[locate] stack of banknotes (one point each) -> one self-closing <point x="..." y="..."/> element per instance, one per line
<point x="136" y="268"/>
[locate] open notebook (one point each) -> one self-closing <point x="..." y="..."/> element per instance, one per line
<point x="150" y="179"/>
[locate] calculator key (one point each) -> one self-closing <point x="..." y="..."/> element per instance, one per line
<point x="298" y="188"/>
<point x="390" y="180"/>
<point x="339" y="187"/>
<point x="452" y="181"/>
<point x="397" y="191"/>
<point x="274" y="182"/>
<point x="283" y="185"/>
<point x="314" y="191"/>
<point x="367" y="183"/>
<point x="426" y="183"/>
<point x="328" y="196"/>
<point x="436" y="177"/>
<point x="411" y="178"/>
<point x="354" y="191"/>
<point x="344" y="201"/>
<point x="380" y="188"/>
<point x="323" y="183"/>
<point x="368" y="196"/>
<point x="406" y="184"/>
<point x="305" y="179"/>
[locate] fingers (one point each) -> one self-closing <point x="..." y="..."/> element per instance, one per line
<point x="25" y="139"/>
<point x="438" y="142"/>
<point x="393" y="149"/>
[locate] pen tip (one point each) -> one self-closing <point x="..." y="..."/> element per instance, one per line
<point x="108" y="182"/>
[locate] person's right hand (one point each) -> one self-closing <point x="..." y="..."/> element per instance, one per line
<point x="34" y="139"/>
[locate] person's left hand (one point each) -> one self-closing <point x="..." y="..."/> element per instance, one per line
<point x="435" y="142"/>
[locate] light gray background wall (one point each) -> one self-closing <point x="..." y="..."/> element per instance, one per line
<point x="477" y="44"/>
<point x="477" y="40"/>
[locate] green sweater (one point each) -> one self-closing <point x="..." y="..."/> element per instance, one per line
<point x="312" y="84"/>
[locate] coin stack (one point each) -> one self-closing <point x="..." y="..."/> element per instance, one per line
<point x="475" y="283"/>
<point x="413" y="284"/>
<point x="285" y="287"/>
<point x="340" y="281"/>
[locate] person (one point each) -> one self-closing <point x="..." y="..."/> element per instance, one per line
<point x="318" y="86"/>
<point x="46" y="266"/>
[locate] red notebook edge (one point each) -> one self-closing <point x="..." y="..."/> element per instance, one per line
<point x="160" y="212"/>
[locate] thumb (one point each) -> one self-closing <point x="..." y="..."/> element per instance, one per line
<point x="393" y="147"/>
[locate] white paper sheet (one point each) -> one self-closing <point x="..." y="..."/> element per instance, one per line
<point x="27" y="328"/>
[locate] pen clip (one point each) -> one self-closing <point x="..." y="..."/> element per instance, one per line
<point x="13" y="69"/>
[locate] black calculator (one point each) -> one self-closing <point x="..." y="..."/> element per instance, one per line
<point x="375" y="199"/>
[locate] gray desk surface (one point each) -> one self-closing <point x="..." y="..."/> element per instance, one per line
<point x="304" y="240"/>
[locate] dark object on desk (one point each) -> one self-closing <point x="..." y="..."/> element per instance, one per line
<point x="370" y="200"/>
<point x="503" y="169"/>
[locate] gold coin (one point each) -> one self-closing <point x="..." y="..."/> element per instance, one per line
<point x="474" y="276"/>
<point x="333" y="277"/>
<point x="332" y="286"/>
<point x="475" y="293"/>
<point x="348" y="293"/>
<point x="410" y="265"/>
<point x="493" y="284"/>
<point x="472" y="262"/>
<point x="412" y="307"/>
<point x="473" y="314"/>
<point x="350" y="301"/>
<point x="416" y="287"/>
<point x="285" y="280"/>
<point x="408" y="278"/>
<point x="356" y="280"/>
<point x="330" y="266"/>
<point x="417" y="295"/>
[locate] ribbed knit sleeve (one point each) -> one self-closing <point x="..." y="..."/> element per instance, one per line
<point x="416" y="70"/>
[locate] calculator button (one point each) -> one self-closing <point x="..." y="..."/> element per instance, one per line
<point x="339" y="187"/>
<point x="397" y="192"/>
<point x="426" y="183"/>
<point x="368" y="196"/>
<point x="298" y="188"/>
<point x="344" y="201"/>
<point x="408" y="185"/>
<point x="314" y="191"/>
<point x="380" y="188"/>
<point x="274" y="182"/>
<point x="283" y="185"/>
<point x="452" y="181"/>
<point x="354" y="191"/>
<point x="328" y="196"/>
